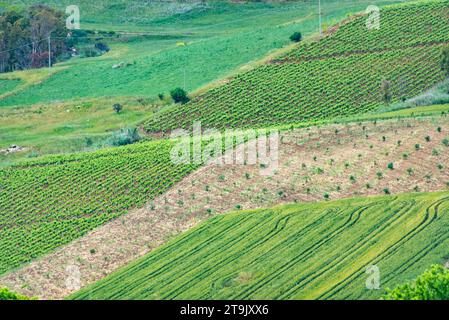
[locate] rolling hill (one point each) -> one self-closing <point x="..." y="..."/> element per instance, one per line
<point x="308" y="251"/>
<point x="338" y="153"/>
<point x="338" y="75"/>
<point x="316" y="163"/>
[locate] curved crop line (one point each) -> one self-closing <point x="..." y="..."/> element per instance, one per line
<point x="307" y="252"/>
<point x="422" y="253"/>
<point x="145" y="264"/>
<point x="196" y="250"/>
<point x="378" y="229"/>
<point x="386" y="253"/>
<point x="280" y="225"/>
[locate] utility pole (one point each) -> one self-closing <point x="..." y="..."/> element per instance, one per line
<point x="49" y="51"/>
<point x="319" y="16"/>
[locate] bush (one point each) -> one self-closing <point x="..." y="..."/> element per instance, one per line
<point x="124" y="137"/>
<point x="103" y="47"/>
<point x="179" y="96"/>
<point x="117" y="107"/>
<point x="296" y="37"/>
<point x="5" y="294"/>
<point x="433" y="284"/>
<point x="385" y="88"/>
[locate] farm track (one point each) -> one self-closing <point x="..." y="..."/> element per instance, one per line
<point x="306" y="253"/>
<point x="336" y="235"/>
<point x="389" y="251"/>
<point x="361" y="245"/>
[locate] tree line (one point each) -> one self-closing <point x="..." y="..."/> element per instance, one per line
<point x="24" y="38"/>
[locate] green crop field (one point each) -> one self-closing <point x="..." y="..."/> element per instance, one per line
<point x="313" y="83"/>
<point x="8" y="85"/>
<point x="303" y="251"/>
<point x="48" y="202"/>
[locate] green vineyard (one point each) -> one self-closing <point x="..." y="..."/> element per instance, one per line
<point x="410" y="25"/>
<point x="51" y="201"/>
<point x="301" y="251"/>
<point x="339" y="75"/>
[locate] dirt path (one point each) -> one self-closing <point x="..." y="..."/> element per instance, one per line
<point x="334" y="162"/>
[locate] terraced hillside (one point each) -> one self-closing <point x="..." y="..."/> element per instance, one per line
<point x="317" y="163"/>
<point x="51" y="201"/>
<point x="338" y="75"/>
<point x="303" y="251"/>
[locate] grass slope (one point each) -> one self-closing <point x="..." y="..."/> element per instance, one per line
<point x="303" y="251"/>
<point x="339" y="75"/>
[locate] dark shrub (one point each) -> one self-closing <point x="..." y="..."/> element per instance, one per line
<point x="179" y="95"/>
<point x="296" y="37"/>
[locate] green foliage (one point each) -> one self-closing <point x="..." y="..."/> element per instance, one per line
<point x="433" y="284"/>
<point x="5" y="294"/>
<point x="117" y="107"/>
<point x="444" y="63"/>
<point x="179" y="95"/>
<point x="35" y="24"/>
<point x="298" y="251"/>
<point x="296" y="36"/>
<point x="124" y="137"/>
<point x="385" y="88"/>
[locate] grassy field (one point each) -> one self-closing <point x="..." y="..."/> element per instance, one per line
<point x="340" y="81"/>
<point x="305" y="251"/>
<point x="65" y="127"/>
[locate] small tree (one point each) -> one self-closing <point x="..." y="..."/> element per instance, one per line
<point x="117" y="107"/>
<point x="179" y="95"/>
<point x="385" y="89"/>
<point x="444" y="61"/>
<point x="296" y="37"/>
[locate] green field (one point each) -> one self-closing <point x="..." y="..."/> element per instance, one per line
<point x="51" y="201"/>
<point x="341" y="81"/>
<point x="220" y="38"/>
<point x="303" y="251"/>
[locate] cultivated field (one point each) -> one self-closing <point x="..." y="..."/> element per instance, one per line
<point x="312" y="83"/>
<point x="361" y="176"/>
<point x="315" y="164"/>
<point x="303" y="251"/>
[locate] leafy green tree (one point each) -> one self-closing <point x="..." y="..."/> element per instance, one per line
<point x="20" y="28"/>
<point x="179" y="95"/>
<point x="433" y="284"/>
<point x="385" y="88"/>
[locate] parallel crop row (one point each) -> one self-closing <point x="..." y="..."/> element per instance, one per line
<point x="292" y="252"/>
<point x="411" y="25"/>
<point x="49" y="202"/>
<point x="313" y="90"/>
<point x="338" y="75"/>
